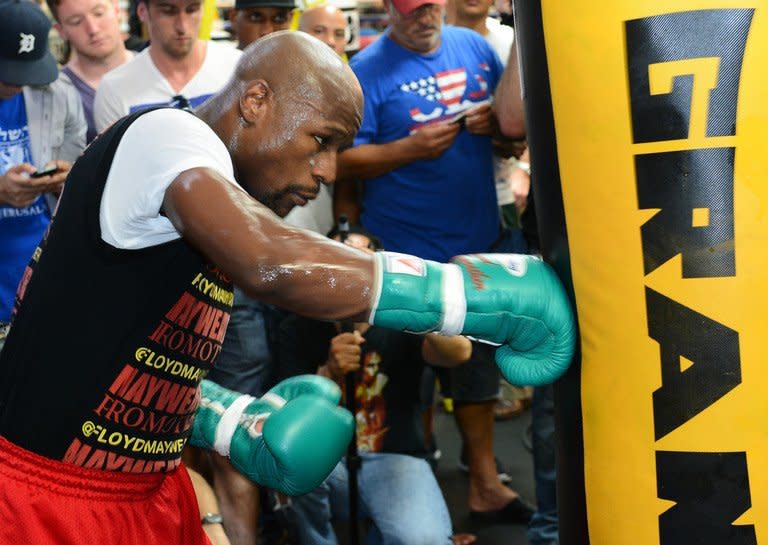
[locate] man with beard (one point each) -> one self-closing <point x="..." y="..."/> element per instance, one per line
<point x="176" y="69"/>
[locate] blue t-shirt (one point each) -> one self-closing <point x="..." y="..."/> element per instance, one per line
<point x="447" y="206"/>
<point x="20" y="228"/>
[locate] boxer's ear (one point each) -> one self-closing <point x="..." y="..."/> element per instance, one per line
<point x="254" y="100"/>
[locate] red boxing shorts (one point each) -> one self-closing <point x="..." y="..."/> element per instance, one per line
<point x="46" y="502"/>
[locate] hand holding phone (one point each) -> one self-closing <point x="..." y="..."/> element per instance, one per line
<point x="50" y="171"/>
<point x="460" y="119"/>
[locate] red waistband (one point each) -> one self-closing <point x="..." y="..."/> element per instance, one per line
<point x="70" y="480"/>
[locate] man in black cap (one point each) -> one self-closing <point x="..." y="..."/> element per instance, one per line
<point x="252" y="19"/>
<point x="42" y="128"/>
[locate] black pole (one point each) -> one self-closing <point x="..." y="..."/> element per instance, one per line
<point x="353" y="460"/>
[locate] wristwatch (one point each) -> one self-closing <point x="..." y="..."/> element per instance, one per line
<point x="212" y="518"/>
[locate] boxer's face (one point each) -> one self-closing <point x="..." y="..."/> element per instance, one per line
<point x="293" y="146"/>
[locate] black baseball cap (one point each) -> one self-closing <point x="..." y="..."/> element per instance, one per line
<point x="245" y="4"/>
<point x="24" y="55"/>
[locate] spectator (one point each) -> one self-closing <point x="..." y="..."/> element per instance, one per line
<point x="475" y="16"/>
<point x="176" y="69"/>
<point x="396" y="488"/>
<point x="328" y="24"/>
<point x="424" y="155"/>
<point x="41" y="125"/>
<point x="512" y="181"/>
<point x="92" y="29"/>
<point x="252" y="19"/>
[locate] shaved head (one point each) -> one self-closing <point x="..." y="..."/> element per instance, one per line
<point x="326" y="23"/>
<point x="291" y="104"/>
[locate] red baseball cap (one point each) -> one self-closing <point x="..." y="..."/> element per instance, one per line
<point x="407" y="6"/>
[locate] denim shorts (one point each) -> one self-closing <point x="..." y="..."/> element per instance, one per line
<point x="475" y="381"/>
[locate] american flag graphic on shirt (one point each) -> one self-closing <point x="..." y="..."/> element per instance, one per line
<point x="445" y="87"/>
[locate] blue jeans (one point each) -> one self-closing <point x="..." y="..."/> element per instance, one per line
<point x="542" y="530"/>
<point x="398" y="493"/>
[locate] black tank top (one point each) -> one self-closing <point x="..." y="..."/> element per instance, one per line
<point x="107" y="346"/>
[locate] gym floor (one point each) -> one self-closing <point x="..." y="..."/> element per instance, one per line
<point x="510" y="448"/>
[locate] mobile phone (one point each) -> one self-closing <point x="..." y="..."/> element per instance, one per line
<point x="460" y="119"/>
<point x="45" y="172"/>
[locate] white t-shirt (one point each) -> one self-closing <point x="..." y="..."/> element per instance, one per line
<point x="154" y="150"/>
<point x="138" y="84"/>
<point x="500" y="38"/>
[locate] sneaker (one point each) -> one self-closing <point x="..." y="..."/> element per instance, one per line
<point x="501" y="472"/>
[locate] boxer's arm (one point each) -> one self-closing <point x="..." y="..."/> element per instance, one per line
<point x="267" y="258"/>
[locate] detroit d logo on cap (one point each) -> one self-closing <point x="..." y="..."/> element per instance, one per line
<point x="26" y="43"/>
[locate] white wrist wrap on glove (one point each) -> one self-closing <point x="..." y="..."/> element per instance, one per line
<point x="231" y="418"/>
<point x="454" y="301"/>
<point x="228" y="423"/>
<point x="378" y="284"/>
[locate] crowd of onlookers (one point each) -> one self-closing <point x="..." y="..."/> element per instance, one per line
<point x="429" y="173"/>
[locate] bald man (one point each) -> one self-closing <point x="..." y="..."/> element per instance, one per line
<point x="328" y="24"/>
<point x="124" y="306"/>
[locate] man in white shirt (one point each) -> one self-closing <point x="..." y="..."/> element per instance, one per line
<point x="177" y="67"/>
<point x="92" y="29"/>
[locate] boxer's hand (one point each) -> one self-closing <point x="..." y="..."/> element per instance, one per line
<point x="300" y="385"/>
<point x="515" y="300"/>
<point x="289" y="443"/>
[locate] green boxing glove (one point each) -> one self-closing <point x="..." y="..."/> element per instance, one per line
<point x="305" y="433"/>
<point x="514" y="300"/>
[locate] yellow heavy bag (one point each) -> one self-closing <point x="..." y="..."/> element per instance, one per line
<point x="648" y="128"/>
